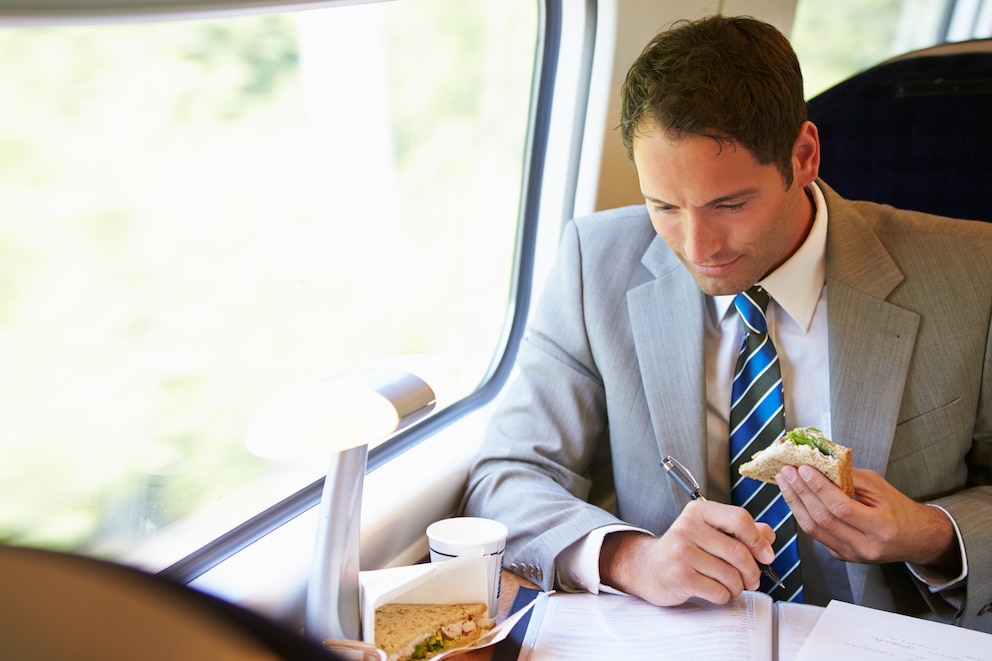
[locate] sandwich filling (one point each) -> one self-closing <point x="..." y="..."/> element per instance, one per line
<point x="810" y="436"/>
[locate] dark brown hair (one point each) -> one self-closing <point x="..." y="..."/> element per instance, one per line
<point x="732" y="78"/>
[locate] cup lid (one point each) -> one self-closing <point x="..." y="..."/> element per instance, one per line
<point x="466" y="530"/>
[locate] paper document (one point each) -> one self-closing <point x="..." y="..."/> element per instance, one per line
<point x="795" y="622"/>
<point x="856" y="633"/>
<point x="750" y="628"/>
<point x="605" y="626"/>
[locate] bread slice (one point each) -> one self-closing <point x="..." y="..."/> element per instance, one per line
<point x="408" y="632"/>
<point x="803" y="445"/>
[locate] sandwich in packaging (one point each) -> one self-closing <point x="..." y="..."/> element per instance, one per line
<point x="428" y="611"/>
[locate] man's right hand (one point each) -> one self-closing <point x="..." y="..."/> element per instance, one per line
<point x="711" y="551"/>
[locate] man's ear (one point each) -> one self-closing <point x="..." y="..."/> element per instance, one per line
<point x="806" y="154"/>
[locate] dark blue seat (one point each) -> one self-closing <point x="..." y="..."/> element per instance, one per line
<point x="914" y="132"/>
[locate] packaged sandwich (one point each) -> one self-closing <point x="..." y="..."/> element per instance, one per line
<point x="427" y="610"/>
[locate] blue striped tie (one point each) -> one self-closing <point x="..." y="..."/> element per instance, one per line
<point x="757" y="418"/>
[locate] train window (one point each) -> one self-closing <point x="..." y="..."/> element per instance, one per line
<point x="836" y="38"/>
<point x="199" y="215"/>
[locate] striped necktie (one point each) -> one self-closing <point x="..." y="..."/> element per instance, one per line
<point x="757" y="418"/>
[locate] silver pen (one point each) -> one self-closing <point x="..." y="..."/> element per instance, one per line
<point x="681" y="474"/>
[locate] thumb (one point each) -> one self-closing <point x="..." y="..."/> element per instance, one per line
<point x="766" y="531"/>
<point x="765" y="554"/>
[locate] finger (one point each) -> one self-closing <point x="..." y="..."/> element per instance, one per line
<point x="832" y="499"/>
<point x="713" y="579"/>
<point x="868" y="486"/>
<point x="731" y="539"/>
<point x="732" y="565"/>
<point x="807" y="486"/>
<point x="767" y="532"/>
<point x="738" y="524"/>
<point x="786" y="477"/>
<point x="688" y="566"/>
<point x="741" y="552"/>
<point x="805" y="496"/>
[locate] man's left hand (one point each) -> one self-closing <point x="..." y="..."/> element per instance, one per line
<point x="880" y="524"/>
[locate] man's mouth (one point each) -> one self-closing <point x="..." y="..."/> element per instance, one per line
<point x="712" y="270"/>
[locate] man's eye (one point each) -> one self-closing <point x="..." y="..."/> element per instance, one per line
<point x="732" y="207"/>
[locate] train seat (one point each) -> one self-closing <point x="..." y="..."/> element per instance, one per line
<point x="914" y="131"/>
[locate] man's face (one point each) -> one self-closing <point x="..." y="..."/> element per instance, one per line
<point x="730" y="220"/>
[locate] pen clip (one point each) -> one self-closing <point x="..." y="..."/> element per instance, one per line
<point x="683" y="477"/>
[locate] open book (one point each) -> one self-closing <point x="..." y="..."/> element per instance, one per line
<point x="752" y="627"/>
<point x="617" y="627"/>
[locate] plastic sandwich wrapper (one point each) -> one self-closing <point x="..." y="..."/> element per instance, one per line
<point x="460" y="580"/>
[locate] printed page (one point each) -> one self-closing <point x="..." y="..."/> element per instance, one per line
<point x="793" y="624"/>
<point x="606" y="626"/>
<point x="856" y="633"/>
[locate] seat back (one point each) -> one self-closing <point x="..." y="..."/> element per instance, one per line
<point x="914" y="132"/>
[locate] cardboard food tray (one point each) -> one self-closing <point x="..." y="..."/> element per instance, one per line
<point x="457" y="581"/>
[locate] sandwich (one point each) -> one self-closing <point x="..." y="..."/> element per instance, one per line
<point x="410" y="632"/>
<point x="803" y="445"/>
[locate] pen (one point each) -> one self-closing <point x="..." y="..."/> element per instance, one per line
<point x="681" y="474"/>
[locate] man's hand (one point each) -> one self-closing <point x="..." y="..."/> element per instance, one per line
<point x="880" y="524"/>
<point x="711" y="551"/>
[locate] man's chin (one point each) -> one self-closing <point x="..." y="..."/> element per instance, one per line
<point x="720" y="286"/>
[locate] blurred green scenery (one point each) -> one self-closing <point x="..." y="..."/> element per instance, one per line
<point x="187" y="230"/>
<point x="837" y="38"/>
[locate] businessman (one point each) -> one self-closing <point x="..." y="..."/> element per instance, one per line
<point x="879" y="325"/>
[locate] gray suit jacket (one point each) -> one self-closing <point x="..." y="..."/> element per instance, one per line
<point x="615" y="351"/>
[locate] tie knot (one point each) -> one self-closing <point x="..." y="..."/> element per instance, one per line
<point x="751" y="305"/>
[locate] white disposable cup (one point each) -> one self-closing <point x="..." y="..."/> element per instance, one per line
<point x="469" y="535"/>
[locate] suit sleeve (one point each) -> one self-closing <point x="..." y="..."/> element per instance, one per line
<point x="972" y="511"/>
<point x="533" y="469"/>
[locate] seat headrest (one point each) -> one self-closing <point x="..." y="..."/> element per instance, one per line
<point x="914" y="132"/>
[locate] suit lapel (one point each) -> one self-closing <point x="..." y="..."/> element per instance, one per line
<point x="871" y="340"/>
<point x="871" y="344"/>
<point x="667" y="324"/>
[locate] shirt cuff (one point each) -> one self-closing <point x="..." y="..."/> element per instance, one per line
<point x="578" y="565"/>
<point x="936" y="581"/>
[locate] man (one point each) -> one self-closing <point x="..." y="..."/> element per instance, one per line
<point x="882" y="323"/>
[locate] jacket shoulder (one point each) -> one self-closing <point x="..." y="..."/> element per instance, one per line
<point x="614" y="230"/>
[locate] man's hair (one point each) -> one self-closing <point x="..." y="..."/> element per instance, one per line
<point x="731" y="78"/>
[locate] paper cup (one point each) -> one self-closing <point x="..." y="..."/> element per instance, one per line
<point x="469" y="535"/>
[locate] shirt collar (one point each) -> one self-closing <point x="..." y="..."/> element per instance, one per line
<point x="796" y="285"/>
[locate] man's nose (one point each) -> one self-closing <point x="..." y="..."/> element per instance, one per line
<point x="701" y="240"/>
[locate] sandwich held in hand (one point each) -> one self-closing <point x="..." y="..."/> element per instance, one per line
<point x="407" y="632"/>
<point x="803" y="445"/>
